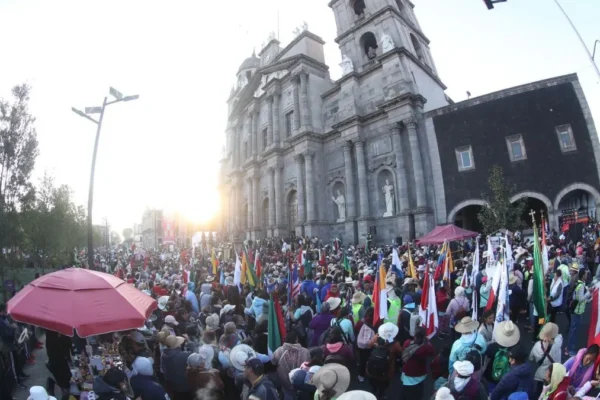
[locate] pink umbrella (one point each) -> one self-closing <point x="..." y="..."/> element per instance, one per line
<point x="91" y="302"/>
<point x="443" y="233"/>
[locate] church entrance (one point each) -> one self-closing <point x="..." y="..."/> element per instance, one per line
<point x="292" y="210"/>
<point x="466" y="218"/>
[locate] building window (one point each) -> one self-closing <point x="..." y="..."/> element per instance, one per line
<point x="464" y="158"/>
<point x="565" y="138"/>
<point x="516" y="148"/>
<point x="359" y="7"/>
<point x="264" y="137"/>
<point x="288" y="123"/>
<point x="247" y="149"/>
<point x="368" y="42"/>
<point x="418" y="48"/>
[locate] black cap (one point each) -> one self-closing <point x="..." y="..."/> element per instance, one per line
<point x="256" y="366"/>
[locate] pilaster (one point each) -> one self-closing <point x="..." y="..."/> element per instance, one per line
<point x="411" y="127"/>
<point x="310" y="193"/>
<point x="362" y="178"/>
<point x="300" y="188"/>
<point x="401" y="182"/>
<point x="349" y="172"/>
<point x="306" y="126"/>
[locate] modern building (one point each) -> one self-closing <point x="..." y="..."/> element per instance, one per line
<point x="383" y="149"/>
<point x="151" y="228"/>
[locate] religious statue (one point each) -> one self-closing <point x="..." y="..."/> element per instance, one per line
<point x="340" y="201"/>
<point x="387" y="43"/>
<point x="371" y="53"/>
<point x="388" y="190"/>
<point x="347" y="66"/>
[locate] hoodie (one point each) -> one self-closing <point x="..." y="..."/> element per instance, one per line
<point x="473" y="390"/>
<point x="463" y="344"/>
<point x="256" y="309"/>
<point x="104" y="391"/>
<point x="205" y="295"/>
<point x="518" y="379"/>
<point x="288" y="357"/>
<point x="147" y="388"/>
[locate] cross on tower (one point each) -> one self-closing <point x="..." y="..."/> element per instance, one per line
<point x="532" y="213"/>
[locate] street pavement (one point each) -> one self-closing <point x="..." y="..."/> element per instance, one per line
<point x="39" y="373"/>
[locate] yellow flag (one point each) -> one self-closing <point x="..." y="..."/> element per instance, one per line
<point x="243" y="278"/>
<point x="411" y="266"/>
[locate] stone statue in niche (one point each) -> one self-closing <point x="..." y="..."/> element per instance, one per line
<point x="388" y="191"/>
<point x="347" y="66"/>
<point x="387" y="43"/>
<point x="340" y="201"/>
<point x="371" y="53"/>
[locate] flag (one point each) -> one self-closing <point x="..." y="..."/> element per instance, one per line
<point x="428" y="306"/>
<point x="307" y="266"/>
<point x="411" y="266"/>
<point x="445" y="265"/>
<point x="248" y="275"/>
<point x="474" y="272"/>
<point x="396" y="263"/>
<point x="293" y="283"/>
<point x="379" y="293"/>
<point x="491" y="261"/>
<point x="276" y="330"/>
<point x="539" y="295"/>
<point x="347" y="264"/>
<point x="322" y="261"/>
<point x="318" y="303"/>
<point x="493" y="296"/>
<point x="237" y="273"/>
<point x="244" y="275"/>
<point x="215" y="263"/>
<point x="258" y="266"/>
<point x="594" y="330"/>
<point x="222" y="279"/>
<point x="503" y="301"/>
<point x="545" y="261"/>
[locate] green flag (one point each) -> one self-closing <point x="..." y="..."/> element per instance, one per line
<point x="539" y="289"/>
<point x="347" y="264"/>
<point x="274" y="337"/>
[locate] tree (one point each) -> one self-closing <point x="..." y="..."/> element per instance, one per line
<point x="499" y="211"/>
<point x="18" y="151"/>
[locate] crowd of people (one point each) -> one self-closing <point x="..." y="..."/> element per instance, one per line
<point x="304" y="322"/>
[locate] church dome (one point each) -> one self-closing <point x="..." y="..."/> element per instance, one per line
<point x="250" y="62"/>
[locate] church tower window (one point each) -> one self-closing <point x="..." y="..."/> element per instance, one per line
<point x="417" y="47"/>
<point x="359" y="7"/>
<point x="248" y="75"/>
<point x="369" y="45"/>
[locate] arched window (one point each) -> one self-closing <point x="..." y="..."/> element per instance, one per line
<point x="248" y="75"/>
<point x="358" y="6"/>
<point x="417" y="47"/>
<point x="368" y="42"/>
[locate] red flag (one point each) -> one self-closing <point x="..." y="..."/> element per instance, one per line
<point x="322" y="261"/>
<point x="594" y="332"/>
<point x="258" y="267"/>
<point x="280" y="320"/>
<point x="428" y="306"/>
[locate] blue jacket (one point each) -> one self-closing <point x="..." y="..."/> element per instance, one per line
<point x="256" y="309"/>
<point x="191" y="296"/>
<point x="462" y="346"/>
<point x="518" y="379"/>
<point x="308" y="287"/>
<point x="147" y="388"/>
<point x="174" y="363"/>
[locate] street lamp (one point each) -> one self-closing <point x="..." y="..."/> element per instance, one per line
<point x="85" y="114"/>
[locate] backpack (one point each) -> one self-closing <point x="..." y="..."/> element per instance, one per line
<point x="471" y="353"/>
<point x="334" y="358"/>
<point x="325" y="335"/>
<point x="379" y="361"/>
<point x="301" y="325"/>
<point x="460" y="314"/>
<point x="501" y="365"/>
<point x="364" y="337"/>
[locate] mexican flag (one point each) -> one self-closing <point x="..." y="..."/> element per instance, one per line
<point x="539" y="289"/>
<point x="347" y="264"/>
<point x="276" y="326"/>
<point x="428" y="306"/>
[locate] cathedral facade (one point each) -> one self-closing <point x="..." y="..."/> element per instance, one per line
<point x="340" y="159"/>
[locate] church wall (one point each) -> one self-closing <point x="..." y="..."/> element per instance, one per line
<point x="317" y="86"/>
<point x="428" y="88"/>
<point x="533" y="114"/>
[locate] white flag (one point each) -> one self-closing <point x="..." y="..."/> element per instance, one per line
<point x="237" y="273"/>
<point x="396" y="259"/>
<point x="502" y="308"/>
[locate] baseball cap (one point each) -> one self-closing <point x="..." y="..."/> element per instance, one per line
<point x="169" y="319"/>
<point x="137" y="337"/>
<point x="256" y="366"/>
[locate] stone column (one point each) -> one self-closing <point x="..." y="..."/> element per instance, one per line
<point x="401" y="185"/>
<point x="256" y="202"/>
<point x="300" y="188"/>
<point x="250" y="220"/>
<point x="411" y="127"/>
<point x="276" y="122"/>
<point x="296" y="98"/>
<point x="254" y="116"/>
<point x="269" y="120"/>
<point x="278" y="202"/>
<point x="272" y="195"/>
<point x="304" y="102"/>
<point x="350" y="201"/>
<point x="362" y="178"/>
<point x="310" y="188"/>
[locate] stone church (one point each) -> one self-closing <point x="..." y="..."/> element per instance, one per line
<point x="341" y="159"/>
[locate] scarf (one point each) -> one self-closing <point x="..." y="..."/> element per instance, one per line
<point x="460" y="383"/>
<point x="578" y="362"/>
<point x="558" y="374"/>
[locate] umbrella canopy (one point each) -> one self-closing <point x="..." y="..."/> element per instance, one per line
<point x="90" y="302"/>
<point x="446" y="233"/>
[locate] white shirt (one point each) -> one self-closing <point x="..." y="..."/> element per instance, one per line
<point x="556" y="286"/>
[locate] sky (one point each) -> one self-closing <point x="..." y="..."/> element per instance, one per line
<point x="181" y="56"/>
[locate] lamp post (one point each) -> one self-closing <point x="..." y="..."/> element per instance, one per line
<point x="86" y="114"/>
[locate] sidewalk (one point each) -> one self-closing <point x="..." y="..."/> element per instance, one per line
<point x="38" y="373"/>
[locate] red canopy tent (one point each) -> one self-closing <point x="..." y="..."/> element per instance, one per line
<point x="88" y="301"/>
<point x="449" y="233"/>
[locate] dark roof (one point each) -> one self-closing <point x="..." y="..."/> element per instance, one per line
<point x="249" y="63"/>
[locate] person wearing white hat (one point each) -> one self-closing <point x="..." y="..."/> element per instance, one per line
<point x="469" y="341"/>
<point x="331" y="380"/>
<point x="204" y="380"/>
<point x="142" y="381"/>
<point x="462" y="385"/>
<point x="357" y="395"/>
<point x="381" y="367"/>
<point x="39" y="393"/>
<point x="506" y="335"/>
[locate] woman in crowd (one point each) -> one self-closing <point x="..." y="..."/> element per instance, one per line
<point x="556" y="383"/>
<point x="336" y="350"/>
<point x="544" y="353"/>
<point x="202" y="378"/>
<point x="320" y="323"/>
<point x="581" y="367"/>
<point x="416" y="355"/>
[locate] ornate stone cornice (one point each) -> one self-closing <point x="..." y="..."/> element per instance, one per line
<point x="389" y="161"/>
<point x="347" y="146"/>
<point x="395" y="129"/>
<point x="309" y="154"/>
<point x="336" y="175"/>
<point x="410" y="122"/>
<point x="299" y="158"/>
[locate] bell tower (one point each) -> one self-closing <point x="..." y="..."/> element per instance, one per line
<point x="370" y="31"/>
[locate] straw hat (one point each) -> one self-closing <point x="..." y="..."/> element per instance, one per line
<point x="512" y="279"/>
<point x="226" y="308"/>
<point x="239" y="355"/>
<point x="388" y="332"/>
<point x="173" y="342"/>
<point x="549" y="331"/>
<point x="358" y="297"/>
<point x="466" y="325"/>
<point x="209" y="279"/>
<point x="162" y="302"/>
<point x="348" y="280"/>
<point x="334" y="302"/>
<point x="332" y="377"/>
<point x="357" y="395"/>
<point x="507" y="334"/>
<point x="212" y="322"/>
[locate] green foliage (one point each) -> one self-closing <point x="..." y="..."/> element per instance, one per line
<point x="500" y="212"/>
